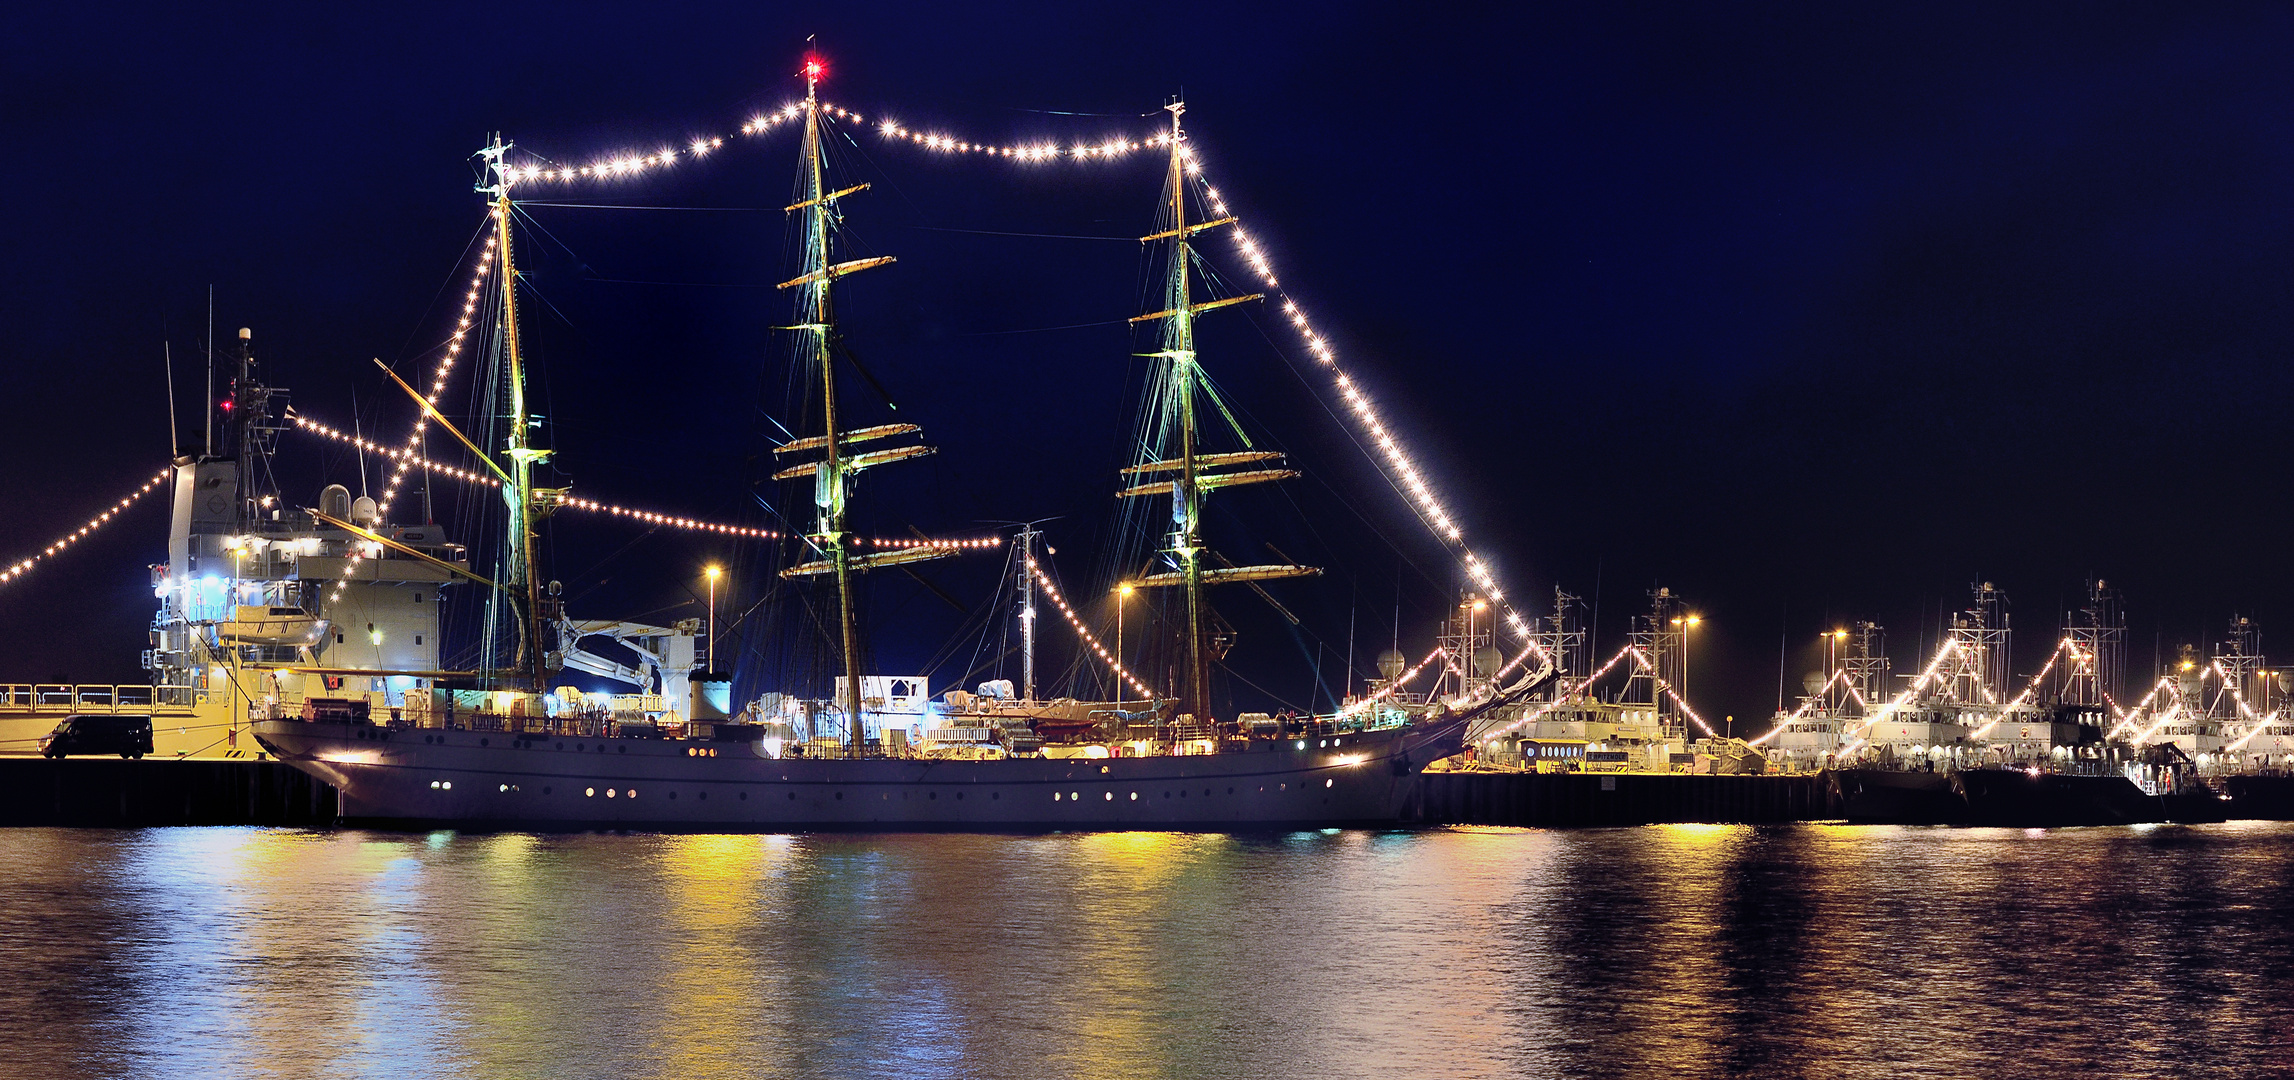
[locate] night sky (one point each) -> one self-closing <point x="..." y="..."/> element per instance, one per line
<point x="1808" y="312"/>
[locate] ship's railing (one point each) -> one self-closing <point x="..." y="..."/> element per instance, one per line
<point x="19" y="699"/>
<point x="583" y="726"/>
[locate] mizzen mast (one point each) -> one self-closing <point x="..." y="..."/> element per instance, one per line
<point x="832" y="474"/>
<point x="1191" y="470"/>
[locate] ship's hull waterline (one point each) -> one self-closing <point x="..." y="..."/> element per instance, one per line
<point x="423" y="778"/>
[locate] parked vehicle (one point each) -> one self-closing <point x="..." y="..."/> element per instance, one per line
<point x="127" y="736"/>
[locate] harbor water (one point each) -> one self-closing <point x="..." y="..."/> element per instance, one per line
<point x="1675" y="951"/>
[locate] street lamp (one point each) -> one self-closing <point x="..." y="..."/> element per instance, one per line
<point x="713" y="572"/>
<point x="1122" y="592"/>
<point x="1686" y="623"/>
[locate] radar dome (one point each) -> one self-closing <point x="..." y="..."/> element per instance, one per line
<point x="1487" y="660"/>
<point x="1390" y="664"/>
<point x="1814" y="682"/>
<point x="334" y="501"/>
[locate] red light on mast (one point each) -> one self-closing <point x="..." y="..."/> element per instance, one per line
<point x="814" y="68"/>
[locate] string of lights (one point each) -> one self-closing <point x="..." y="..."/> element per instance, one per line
<point x="19" y="568"/>
<point x="305" y="423"/>
<point x="631" y="163"/>
<point x="1113" y="662"/>
<point x="650" y="517"/>
<point x="1390" y="689"/>
<point x="2031" y="688"/>
<point x="1807" y="703"/>
<point x="1408" y="477"/>
<point x="1565" y="696"/>
<point x="1665" y="686"/>
<point x="445" y="367"/>
<point x="2127" y="716"/>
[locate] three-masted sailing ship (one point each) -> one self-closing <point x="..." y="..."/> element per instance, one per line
<point x="985" y="761"/>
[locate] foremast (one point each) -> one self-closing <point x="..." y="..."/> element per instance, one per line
<point x="1193" y="469"/>
<point x="526" y="504"/>
<point x="831" y="537"/>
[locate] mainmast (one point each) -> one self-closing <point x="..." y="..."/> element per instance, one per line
<point x="1191" y="477"/>
<point x="519" y="494"/>
<point x="831" y="536"/>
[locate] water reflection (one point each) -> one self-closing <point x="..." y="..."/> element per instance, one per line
<point x="1733" y="951"/>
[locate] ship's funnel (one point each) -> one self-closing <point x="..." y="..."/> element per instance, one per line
<point x="334" y="501"/>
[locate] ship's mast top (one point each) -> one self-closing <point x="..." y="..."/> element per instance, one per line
<point x="1191" y="472"/>
<point x="832" y="475"/>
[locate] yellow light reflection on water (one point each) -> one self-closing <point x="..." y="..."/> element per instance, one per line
<point x="706" y="1002"/>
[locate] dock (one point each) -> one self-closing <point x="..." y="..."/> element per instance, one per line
<point x="116" y="793"/>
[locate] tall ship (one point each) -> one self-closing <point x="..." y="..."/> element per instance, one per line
<point x="499" y="748"/>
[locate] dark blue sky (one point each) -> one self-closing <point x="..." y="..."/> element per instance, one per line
<point x="1809" y="313"/>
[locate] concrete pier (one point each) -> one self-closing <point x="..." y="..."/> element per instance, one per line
<point x="1578" y="799"/>
<point x="116" y="793"/>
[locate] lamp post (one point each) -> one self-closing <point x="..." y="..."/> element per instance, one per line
<point x="1122" y="592"/>
<point x="1686" y="623"/>
<point x="713" y="572"/>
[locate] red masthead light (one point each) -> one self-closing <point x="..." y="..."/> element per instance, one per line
<point x="814" y="68"/>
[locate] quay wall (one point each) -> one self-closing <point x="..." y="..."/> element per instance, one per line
<point x="116" y="793"/>
<point x="1580" y="799"/>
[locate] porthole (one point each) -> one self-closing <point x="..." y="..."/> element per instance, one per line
<point x="619" y="748"/>
<point x="672" y="796"/>
<point x="545" y="789"/>
<point x="744" y="796"/>
<point x="609" y="793"/>
<point x="1230" y="791"/>
<point x="995" y="795"/>
<point x="934" y="796"/>
<point x="959" y="796"/>
<point x="840" y="796"/>
<point x="1282" y="787"/>
<point x="561" y="746"/>
<point x="631" y="792"/>
<point x="505" y="787"/>
<point x="1109" y="796"/>
<point x="589" y="793"/>
<point x="578" y="747"/>
<point x="1103" y="770"/>
<point x="1055" y="796"/>
<point x="792" y="796"/>
<point x="1166" y="794"/>
<point x="485" y="742"/>
<point x="1327" y="782"/>
<point x="1072" y="796"/>
<point x="1134" y="796"/>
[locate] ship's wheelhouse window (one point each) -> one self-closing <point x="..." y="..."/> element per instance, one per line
<point x="418" y="639"/>
<point x="338" y="637"/>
